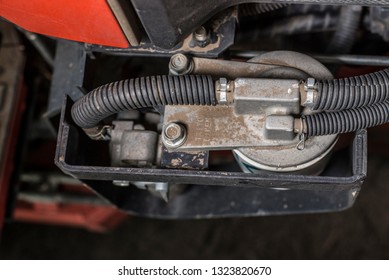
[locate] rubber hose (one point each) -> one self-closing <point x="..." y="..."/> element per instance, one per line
<point x="143" y="92"/>
<point x="327" y="123"/>
<point x="346" y="29"/>
<point x="352" y="92"/>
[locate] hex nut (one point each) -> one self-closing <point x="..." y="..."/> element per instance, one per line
<point x="180" y="64"/>
<point x="173" y="135"/>
<point x="201" y="36"/>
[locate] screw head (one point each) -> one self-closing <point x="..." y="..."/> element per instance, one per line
<point x="174" y="135"/>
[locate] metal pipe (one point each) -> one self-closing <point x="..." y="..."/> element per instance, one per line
<point x="228" y="68"/>
<point x="225" y="68"/>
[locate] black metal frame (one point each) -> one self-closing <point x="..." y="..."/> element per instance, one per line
<point x="212" y="193"/>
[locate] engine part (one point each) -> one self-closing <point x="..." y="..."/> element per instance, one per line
<point x="123" y="151"/>
<point x="213" y="193"/>
<point x="218" y="137"/>
<point x="254" y="117"/>
<point x="229" y="69"/>
<point x="258" y="123"/>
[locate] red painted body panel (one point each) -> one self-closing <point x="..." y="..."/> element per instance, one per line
<point x="89" y="21"/>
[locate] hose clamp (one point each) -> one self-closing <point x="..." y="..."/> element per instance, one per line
<point x="222" y="89"/>
<point x="310" y="90"/>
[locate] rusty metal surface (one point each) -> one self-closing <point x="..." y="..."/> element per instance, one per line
<point x="132" y="147"/>
<point x="221" y="128"/>
<point x="266" y="96"/>
<point x="185" y="160"/>
<point x="288" y="65"/>
<point x="313" y="158"/>
<point x="240" y="125"/>
<point x="216" y="128"/>
<point x="307" y="65"/>
<point x="238" y="69"/>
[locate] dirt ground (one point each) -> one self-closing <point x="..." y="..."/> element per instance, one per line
<point x="359" y="233"/>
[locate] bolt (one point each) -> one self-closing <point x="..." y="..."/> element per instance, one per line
<point x="201" y="36"/>
<point x="173" y="131"/>
<point x="174" y="135"/>
<point x="180" y="64"/>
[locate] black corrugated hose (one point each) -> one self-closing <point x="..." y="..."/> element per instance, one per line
<point x="346" y="30"/>
<point x="349" y="104"/>
<point x="143" y="92"/>
<point x="327" y="123"/>
<point x="353" y="92"/>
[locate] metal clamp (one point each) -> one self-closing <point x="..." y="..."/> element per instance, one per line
<point x="221" y="89"/>
<point x="310" y="90"/>
<point x="100" y="132"/>
<point x="301" y="144"/>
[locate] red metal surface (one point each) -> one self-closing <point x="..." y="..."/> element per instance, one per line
<point x="92" y="217"/>
<point x="89" y="21"/>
